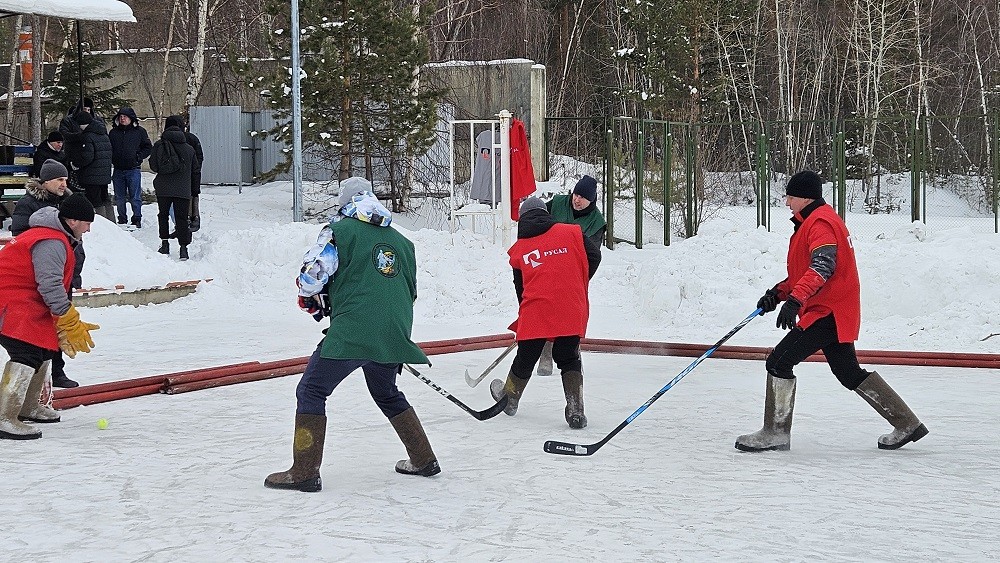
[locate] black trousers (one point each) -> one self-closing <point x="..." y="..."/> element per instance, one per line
<point x="24" y="353"/>
<point x="180" y="206"/>
<point x="565" y="354"/>
<point x="799" y="344"/>
<point x="96" y="193"/>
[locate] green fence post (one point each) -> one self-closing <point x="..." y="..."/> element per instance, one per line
<point x="546" y="149"/>
<point x="996" y="168"/>
<point x="640" y="162"/>
<point x="668" y="165"/>
<point x="916" y="166"/>
<point x="689" y="183"/>
<point x="609" y="187"/>
<point x="840" y="183"/>
<point x="763" y="193"/>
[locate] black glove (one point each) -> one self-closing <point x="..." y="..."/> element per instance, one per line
<point x="788" y="314"/>
<point x="768" y="302"/>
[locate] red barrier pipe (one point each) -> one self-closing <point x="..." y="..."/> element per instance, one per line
<point x="212" y="374"/>
<point x="138" y="382"/>
<point x="94" y="398"/>
<point x="233" y="379"/>
<point x="757" y="349"/>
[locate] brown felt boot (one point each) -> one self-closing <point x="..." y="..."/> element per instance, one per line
<point x="573" y="389"/>
<point x="779" y="402"/>
<point x="13" y="389"/>
<point x="33" y="410"/>
<point x="422" y="460"/>
<point x="513" y="388"/>
<point x="885" y="401"/>
<point x="307" y="456"/>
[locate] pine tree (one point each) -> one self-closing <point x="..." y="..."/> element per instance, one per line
<point x="65" y="92"/>
<point x="361" y="108"/>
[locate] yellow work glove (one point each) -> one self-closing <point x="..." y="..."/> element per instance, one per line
<point x="74" y="334"/>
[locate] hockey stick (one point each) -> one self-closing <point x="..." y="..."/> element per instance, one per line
<point x="496" y="362"/>
<point x="566" y="448"/>
<point x="480" y="415"/>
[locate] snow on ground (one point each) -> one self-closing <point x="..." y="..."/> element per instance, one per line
<point x="179" y="478"/>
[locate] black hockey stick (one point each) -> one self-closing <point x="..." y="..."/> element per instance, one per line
<point x="566" y="448"/>
<point x="480" y="415"/>
<point x="496" y="362"/>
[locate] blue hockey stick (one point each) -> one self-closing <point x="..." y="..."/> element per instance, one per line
<point x="566" y="448"/>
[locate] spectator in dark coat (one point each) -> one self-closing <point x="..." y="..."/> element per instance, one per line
<point x="130" y="145"/>
<point x="173" y="187"/>
<point x="88" y="149"/>
<point x="50" y="148"/>
<point x="199" y="157"/>
<point x="49" y="189"/>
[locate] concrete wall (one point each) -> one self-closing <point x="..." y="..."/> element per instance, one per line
<point x="480" y="89"/>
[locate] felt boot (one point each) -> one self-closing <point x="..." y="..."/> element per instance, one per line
<point x="573" y="389"/>
<point x="422" y="460"/>
<point x="907" y="427"/>
<point x="545" y="361"/>
<point x="33" y="410"/>
<point x="13" y="389"/>
<point x="513" y="388"/>
<point x="307" y="456"/>
<point x="779" y="402"/>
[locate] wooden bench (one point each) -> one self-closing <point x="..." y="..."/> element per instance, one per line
<point x="13" y="176"/>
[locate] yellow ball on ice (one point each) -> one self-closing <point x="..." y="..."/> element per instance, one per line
<point x="102" y="424"/>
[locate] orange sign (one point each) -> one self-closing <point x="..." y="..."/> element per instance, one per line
<point x="24" y="56"/>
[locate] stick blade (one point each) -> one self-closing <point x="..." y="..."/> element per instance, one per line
<point x="566" y="448"/>
<point x="494" y="410"/>
<point x="469" y="380"/>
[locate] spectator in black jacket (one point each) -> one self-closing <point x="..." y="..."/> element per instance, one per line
<point x="51" y="147"/>
<point x="130" y="145"/>
<point x="88" y="149"/>
<point x="48" y="189"/>
<point x="173" y="161"/>
<point x="199" y="157"/>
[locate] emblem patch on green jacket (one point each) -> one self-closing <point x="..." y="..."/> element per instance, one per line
<point x="384" y="259"/>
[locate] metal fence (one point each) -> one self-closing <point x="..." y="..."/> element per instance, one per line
<point x="663" y="179"/>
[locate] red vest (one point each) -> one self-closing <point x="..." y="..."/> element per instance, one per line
<point x="554" y="268"/>
<point x="841" y="294"/>
<point x="23" y="314"/>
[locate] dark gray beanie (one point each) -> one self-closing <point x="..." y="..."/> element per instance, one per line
<point x="52" y="169"/>
<point x="530" y="204"/>
<point x="805" y="184"/>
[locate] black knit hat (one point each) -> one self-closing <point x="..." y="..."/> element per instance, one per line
<point x="805" y="184"/>
<point x="76" y="206"/>
<point x="54" y="136"/>
<point x="586" y="188"/>
<point x="83" y="118"/>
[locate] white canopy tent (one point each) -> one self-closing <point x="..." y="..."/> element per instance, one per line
<point x="94" y="10"/>
<point x="90" y="10"/>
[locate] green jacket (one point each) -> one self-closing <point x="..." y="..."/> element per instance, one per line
<point x="593" y="223"/>
<point x="371" y="296"/>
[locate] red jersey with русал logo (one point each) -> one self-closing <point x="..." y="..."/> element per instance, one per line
<point x="555" y="273"/>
